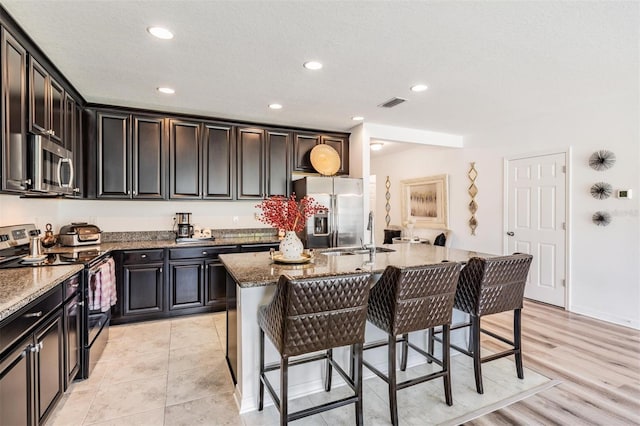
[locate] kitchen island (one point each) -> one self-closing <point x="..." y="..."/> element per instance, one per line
<point x="251" y="279"/>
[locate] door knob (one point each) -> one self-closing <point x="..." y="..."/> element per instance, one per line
<point x="510" y="233"/>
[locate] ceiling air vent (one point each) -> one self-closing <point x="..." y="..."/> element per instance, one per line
<point x="392" y="102"/>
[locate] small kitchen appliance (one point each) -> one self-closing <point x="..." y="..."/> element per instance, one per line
<point x="79" y="234"/>
<point x="185" y="228"/>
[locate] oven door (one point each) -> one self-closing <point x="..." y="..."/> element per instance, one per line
<point x="51" y="167"/>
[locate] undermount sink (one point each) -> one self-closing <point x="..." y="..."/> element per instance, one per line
<point x="352" y="251"/>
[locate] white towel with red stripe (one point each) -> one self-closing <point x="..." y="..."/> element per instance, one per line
<point x="102" y="287"/>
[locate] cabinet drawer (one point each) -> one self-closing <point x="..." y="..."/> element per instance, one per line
<point x="20" y="322"/>
<point x="206" y="252"/>
<point x="134" y="257"/>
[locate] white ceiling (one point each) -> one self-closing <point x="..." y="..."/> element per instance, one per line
<point x="486" y="63"/>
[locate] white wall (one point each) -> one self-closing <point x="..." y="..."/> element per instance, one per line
<point x="605" y="267"/>
<point x="118" y="215"/>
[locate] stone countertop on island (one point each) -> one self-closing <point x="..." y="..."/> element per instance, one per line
<point x="257" y="269"/>
<point x="21" y="286"/>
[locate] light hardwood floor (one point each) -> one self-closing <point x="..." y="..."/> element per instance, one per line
<point x="599" y="364"/>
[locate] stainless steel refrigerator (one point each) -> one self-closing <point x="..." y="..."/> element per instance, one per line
<point x="341" y="224"/>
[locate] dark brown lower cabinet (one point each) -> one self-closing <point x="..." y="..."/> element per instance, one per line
<point x="72" y="318"/>
<point x="49" y="365"/>
<point x="143" y="287"/>
<point x="32" y="375"/>
<point x="216" y="292"/>
<point x="186" y="285"/>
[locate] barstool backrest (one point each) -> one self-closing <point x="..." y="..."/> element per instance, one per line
<point x="492" y="285"/>
<point x="313" y="314"/>
<point x="414" y="298"/>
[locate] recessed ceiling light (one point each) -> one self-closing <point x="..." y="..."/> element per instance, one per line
<point x="357" y="118"/>
<point x="419" y="88"/>
<point x="312" y="65"/>
<point x="166" y="90"/>
<point x="375" y="146"/>
<point x="160" y="32"/>
<point x="275" y="106"/>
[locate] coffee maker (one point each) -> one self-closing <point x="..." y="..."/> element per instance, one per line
<point x="183" y="222"/>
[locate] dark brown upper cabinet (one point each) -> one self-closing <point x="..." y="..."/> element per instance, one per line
<point x="201" y="165"/>
<point x="185" y="174"/>
<point x="46" y="103"/>
<point x="263" y="163"/>
<point x="278" y="162"/>
<point x="305" y="142"/>
<point x="250" y="163"/>
<point x="14" y="107"/>
<point x="131" y="156"/>
<point x="218" y="152"/>
<point x="149" y="157"/>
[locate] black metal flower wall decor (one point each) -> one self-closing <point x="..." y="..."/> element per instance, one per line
<point x="601" y="218"/>
<point x="602" y="160"/>
<point x="601" y="190"/>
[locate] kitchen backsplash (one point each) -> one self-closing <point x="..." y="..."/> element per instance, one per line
<point x="127" y="216"/>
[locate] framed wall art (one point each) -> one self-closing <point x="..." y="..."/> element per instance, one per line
<point x="425" y="201"/>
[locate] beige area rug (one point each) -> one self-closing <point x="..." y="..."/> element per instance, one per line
<point x="424" y="404"/>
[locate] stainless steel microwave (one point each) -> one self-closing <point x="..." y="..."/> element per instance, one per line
<point x="51" y="167"/>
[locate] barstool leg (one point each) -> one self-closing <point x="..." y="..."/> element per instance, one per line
<point x="261" y="393"/>
<point x="517" y="340"/>
<point x="357" y="381"/>
<point x="352" y="358"/>
<point x="284" y="382"/>
<point x="393" y="400"/>
<point x="477" y="356"/>
<point x="329" y="369"/>
<point x="446" y="358"/>
<point x="430" y="343"/>
<point x="405" y="352"/>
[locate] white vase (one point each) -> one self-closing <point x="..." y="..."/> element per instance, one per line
<point x="291" y="247"/>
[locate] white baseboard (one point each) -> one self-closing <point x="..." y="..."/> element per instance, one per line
<point x="606" y="316"/>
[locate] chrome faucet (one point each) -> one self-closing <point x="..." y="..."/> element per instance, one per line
<point x="370" y="228"/>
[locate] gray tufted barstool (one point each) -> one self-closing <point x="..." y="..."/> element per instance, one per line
<point x="311" y="315"/>
<point x="406" y="300"/>
<point x="489" y="286"/>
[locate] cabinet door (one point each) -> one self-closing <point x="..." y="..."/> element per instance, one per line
<point x="79" y="151"/>
<point x="216" y="290"/>
<point x="218" y="161"/>
<point x="72" y="315"/>
<point x="38" y="98"/>
<point x="56" y="120"/>
<point x="278" y="160"/>
<point x="186" y="285"/>
<point x="250" y="163"/>
<point x="185" y="170"/>
<point x="49" y="366"/>
<point x="16" y="406"/>
<point x="69" y="123"/>
<point x="340" y="144"/>
<point x="142" y="288"/>
<point x="113" y="170"/>
<point x="149" y="157"/>
<point x="303" y="144"/>
<point x="14" y="106"/>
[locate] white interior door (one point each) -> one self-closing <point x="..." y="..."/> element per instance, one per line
<point x="536" y="204"/>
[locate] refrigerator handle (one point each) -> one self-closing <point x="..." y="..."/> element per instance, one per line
<point x="334" y="224"/>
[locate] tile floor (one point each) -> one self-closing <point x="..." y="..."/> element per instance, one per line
<point x="173" y="372"/>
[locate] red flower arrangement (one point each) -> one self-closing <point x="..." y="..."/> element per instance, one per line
<point x="287" y="213"/>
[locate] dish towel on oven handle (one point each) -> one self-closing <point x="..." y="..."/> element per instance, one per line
<point x="102" y="288"/>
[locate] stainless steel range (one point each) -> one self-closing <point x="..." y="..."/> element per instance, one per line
<point x="94" y="323"/>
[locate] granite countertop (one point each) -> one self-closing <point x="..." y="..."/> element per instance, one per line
<point x="21" y="286"/>
<point x="257" y="269"/>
